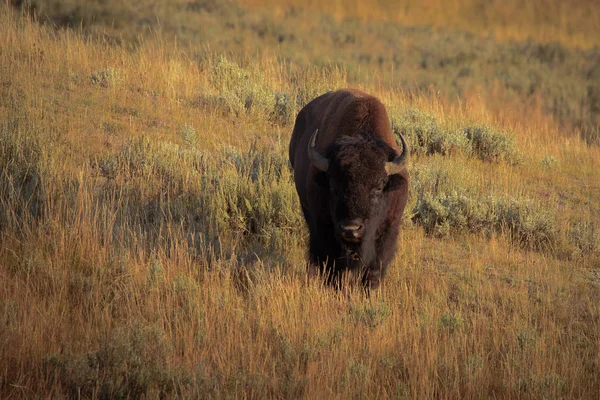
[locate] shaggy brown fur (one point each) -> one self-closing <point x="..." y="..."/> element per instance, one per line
<point x="356" y="136"/>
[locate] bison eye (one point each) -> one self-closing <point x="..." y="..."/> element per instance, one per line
<point x="377" y="192"/>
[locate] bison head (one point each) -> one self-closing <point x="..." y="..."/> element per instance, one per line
<point x="359" y="173"/>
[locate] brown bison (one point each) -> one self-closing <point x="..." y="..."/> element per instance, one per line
<point x="352" y="182"/>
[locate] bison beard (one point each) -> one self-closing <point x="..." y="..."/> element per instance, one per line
<point x="352" y="184"/>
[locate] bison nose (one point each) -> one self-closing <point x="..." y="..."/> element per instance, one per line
<point x="352" y="230"/>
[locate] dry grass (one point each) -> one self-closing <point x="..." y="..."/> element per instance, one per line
<point x="562" y="77"/>
<point x="575" y="24"/>
<point x="151" y="243"/>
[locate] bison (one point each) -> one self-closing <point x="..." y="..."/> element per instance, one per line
<point x="352" y="182"/>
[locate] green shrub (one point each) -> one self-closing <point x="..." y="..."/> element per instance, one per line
<point x="25" y="151"/>
<point x="255" y="193"/>
<point x="585" y="236"/>
<point x="526" y="339"/>
<point x="130" y="362"/>
<point x="106" y="77"/>
<point x="249" y="194"/>
<point x="370" y="315"/>
<point x="491" y="145"/>
<point x="548" y="386"/>
<point x="549" y="162"/>
<point x="529" y="223"/>
<point x="189" y="135"/>
<point x="444" y="206"/>
<point x="241" y="90"/>
<point x="450" y="322"/>
<point x="453" y="212"/>
<point x="108" y="166"/>
<point x="426" y="135"/>
<point x="284" y="108"/>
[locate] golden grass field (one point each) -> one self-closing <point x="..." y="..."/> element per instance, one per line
<point x="573" y="23"/>
<point x="152" y="245"/>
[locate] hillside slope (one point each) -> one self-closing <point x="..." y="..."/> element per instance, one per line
<point x="151" y="242"/>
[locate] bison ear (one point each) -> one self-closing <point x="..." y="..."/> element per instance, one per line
<point x="394" y="182"/>
<point x="322" y="180"/>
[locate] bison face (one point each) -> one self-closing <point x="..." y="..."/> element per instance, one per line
<point x="360" y="173"/>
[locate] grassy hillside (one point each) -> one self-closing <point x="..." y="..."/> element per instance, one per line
<point x="151" y="242"/>
<point x="574" y="23"/>
<point x="458" y="59"/>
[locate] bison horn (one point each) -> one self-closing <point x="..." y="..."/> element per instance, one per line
<point x="320" y="162"/>
<point x="398" y="165"/>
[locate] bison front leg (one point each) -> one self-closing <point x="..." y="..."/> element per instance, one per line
<point x="323" y="250"/>
<point x="372" y="276"/>
<point x="324" y="269"/>
<point x="385" y="249"/>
